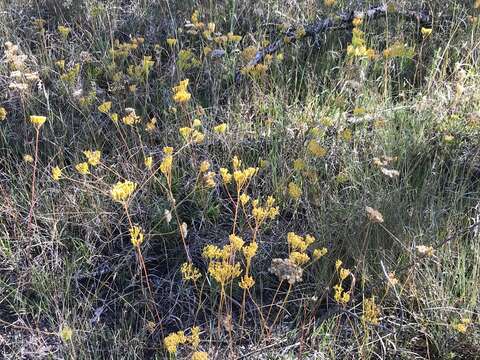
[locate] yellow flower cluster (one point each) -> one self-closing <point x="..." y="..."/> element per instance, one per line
<point x="191" y="134"/>
<point x="236" y="242"/>
<point x="399" y="50"/>
<point x="131" y="118"/>
<point x="172" y="341"/>
<point x="262" y="213"/>
<point x="462" y="325"/>
<point x="64" y="31"/>
<point x="298" y="246"/>
<point x="190" y="272"/>
<point x="166" y="164"/>
<point x="148" y="161"/>
<point x="316" y="149"/>
<point x="82" y="168"/>
<point x="37" y="120"/>
<point x="371" y="311"/>
<point x="181" y="95"/>
<point x="199" y="355"/>
<point x="122" y="190"/>
<point x="220" y="129"/>
<point x="294" y="191"/>
<point x="105" y="107"/>
<point x="71" y="75"/>
<point x="247" y="282"/>
<point x="136" y="235"/>
<point x="56" y="173"/>
<point x="122" y="50"/>
<point x="358" y="48"/>
<point x="93" y="157"/>
<point x="3" y="113"/>
<point x="318" y="253"/>
<point x="341" y="296"/>
<point x="223" y="272"/>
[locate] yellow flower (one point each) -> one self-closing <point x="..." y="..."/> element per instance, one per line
<point x="173" y="340"/>
<point x="114" y="117"/>
<point x="371" y="311"/>
<point x="316" y="149"/>
<point x="181" y="95"/>
<point x="448" y="138"/>
<point x="318" y="253"/>
<point x="171" y="42"/>
<point x="151" y="125"/>
<point x="209" y="179"/>
<point x="204" y="166"/>
<point x="148" y="161"/>
<point x="131" y="119"/>
<point x="60" y="64"/>
<point x="3" y="113"/>
<point x="338" y="263"/>
<point x="66" y="333"/>
<point x="299" y="165"/>
<point x="56" y="173"/>
<point x="236" y="241"/>
<point x="426" y="32"/>
<point x="63" y="30"/>
<point x="357" y="21"/>
<point x="185" y="132"/>
<point x="460" y="327"/>
<point x="195" y="337"/>
<point x="226" y="176"/>
<point x="250" y="250"/>
<point x="212" y="252"/>
<point x="105" y="107"/>
<point x="296" y="242"/>
<point x="93" y="157"/>
<point x="343" y="274"/>
<point x="298" y="258"/>
<point x="199" y="355"/>
<point x="38" y="120"/>
<point x="167" y="150"/>
<point x="346" y="135"/>
<point x="28" y="158"/>
<point x="136" y="235"/>
<point x="197" y="136"/>
<point x="300" y="32"/>
<point x="166" y="165"/>
<point x="82" y="168"/>
<point x="244" y="198"/>
<point x="220" y="129"/>
<point x="122" y="190"/>
<point x="247" y="282"/>
<point x="294" y="190"/>
<point x="224" y="272"/>
<point x="341" y="296"/>
<point x="190" y="272"/>
<point x="196" y="123"/>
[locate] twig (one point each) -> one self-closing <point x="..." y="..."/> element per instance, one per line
<point x="343" y="21"/>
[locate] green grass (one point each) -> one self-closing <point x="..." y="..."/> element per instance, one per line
<point x="73" y="266"/>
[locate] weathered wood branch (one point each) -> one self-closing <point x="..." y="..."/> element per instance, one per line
<point x="342" y="21"/>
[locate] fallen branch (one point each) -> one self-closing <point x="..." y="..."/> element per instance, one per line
<point x="343" y="21"/>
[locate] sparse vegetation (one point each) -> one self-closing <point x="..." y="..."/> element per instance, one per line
<point x="225" y="180"/>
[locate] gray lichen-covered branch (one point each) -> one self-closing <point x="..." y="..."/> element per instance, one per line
<point x="341" y="21"/>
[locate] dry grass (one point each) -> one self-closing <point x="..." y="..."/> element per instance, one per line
<point x="369" y="248"/>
